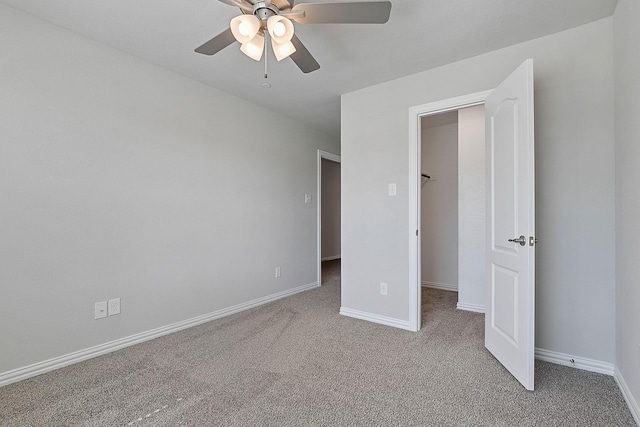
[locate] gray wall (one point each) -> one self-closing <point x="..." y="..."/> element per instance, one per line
<point x="627" y="96"/>
<point x="439" y="204"/>
<point x="575" y="184"/>
<point x="330" y="209"/>
<point x="120" y="179"/>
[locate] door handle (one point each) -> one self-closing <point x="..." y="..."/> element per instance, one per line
<point x="521" y="240"/>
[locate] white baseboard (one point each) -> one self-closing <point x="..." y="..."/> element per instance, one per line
<point x="578" y="362"/>
<point x="375" y="318"/>
<point x="25" y="372"/>
<point x="330" y="258"/>
<point x="470" y="307"/>
<point x="441" y="286"/>
<point x="628" y="397"/>
<point x="593" y="366"/>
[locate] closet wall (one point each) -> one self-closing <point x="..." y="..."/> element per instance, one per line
<point x="330" y="237"/>
<point x="471" y="208"/>
<point x="439" y="216"/>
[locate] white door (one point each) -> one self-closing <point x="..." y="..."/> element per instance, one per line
<point x="510" y="293"/>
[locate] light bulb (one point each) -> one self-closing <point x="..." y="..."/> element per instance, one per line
<point x="244" y="29"/>
<point x="279" y="29"/>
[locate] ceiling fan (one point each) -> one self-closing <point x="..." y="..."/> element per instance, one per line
<point x="262" y="19"/>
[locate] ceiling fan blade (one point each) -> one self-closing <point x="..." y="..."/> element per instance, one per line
<point x="372" y="12"/>
<point x="244" y="5"/>
<point x="283" y="4"/>
<point x="303" y="59"/>
<point x="217" y="43"/>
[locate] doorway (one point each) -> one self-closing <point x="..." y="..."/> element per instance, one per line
<point x="328" y="214"/>
<point x="510" y="210"/>
<point x="452" y="210"/>
<point x="439" y="201"/>
<point x="415" y="188"/>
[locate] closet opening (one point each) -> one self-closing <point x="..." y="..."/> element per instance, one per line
<point x="328" y="216"/>
<point x="452" y="208"/>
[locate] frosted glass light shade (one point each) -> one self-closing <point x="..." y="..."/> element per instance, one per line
<point x="244" y="27"/>
<point x="280" y="29"/>
<point x="282" y="50"/>
<point x="253" y="48"/>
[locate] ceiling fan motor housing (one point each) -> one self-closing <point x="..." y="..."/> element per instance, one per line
<point x="264" y="10"/>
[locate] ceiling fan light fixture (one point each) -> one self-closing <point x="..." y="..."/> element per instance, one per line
<point x="262" y="17"/>
<point x="254" y="47"/>
<point x="280" y="29"/>
<point x="282" y="50"/>
<point x="244" y="27"/>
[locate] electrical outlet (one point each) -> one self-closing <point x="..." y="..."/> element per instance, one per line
<point x="114" y="306"/>
<point x="277" y="272"/>
<point x="101" y="310"/>
<point x="307" y="198"/>
<point x="383" y="288"/>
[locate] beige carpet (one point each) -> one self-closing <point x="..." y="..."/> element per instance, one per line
<point x="297" y="362"/>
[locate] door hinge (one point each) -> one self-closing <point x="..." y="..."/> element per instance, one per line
<point x="416" y="232"/>
<point x="532" y="240"/>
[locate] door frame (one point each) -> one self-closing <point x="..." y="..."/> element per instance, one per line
<point x="415" y="114"/>
<point x="334" y="158"/>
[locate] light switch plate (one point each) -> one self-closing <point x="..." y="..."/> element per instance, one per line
<point x="392" y="190"/>
<point x="384" y="287"/>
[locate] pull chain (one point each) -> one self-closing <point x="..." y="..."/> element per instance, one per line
<point x="266" y="53"/>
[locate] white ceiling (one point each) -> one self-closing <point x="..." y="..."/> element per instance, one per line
<point x="420" y="34"/>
